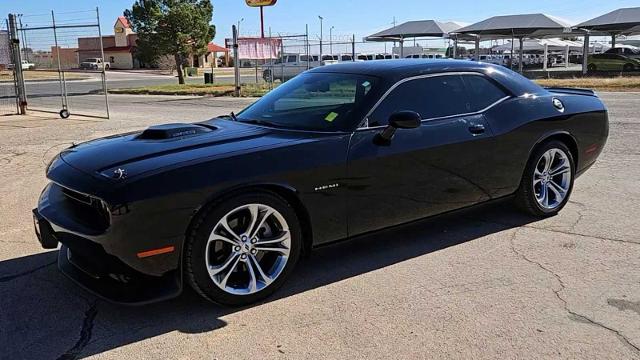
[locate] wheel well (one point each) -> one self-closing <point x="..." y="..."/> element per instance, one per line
<point x="567" y="140"/>
<point x="287" y="194"/>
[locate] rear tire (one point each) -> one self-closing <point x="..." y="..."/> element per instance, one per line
<point x="592" y="67"/>
<point x="547" y="181"/>
<point x="627" y="67"/>
<point x="234" y="255"/>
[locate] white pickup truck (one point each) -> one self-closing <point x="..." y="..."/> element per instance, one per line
<point x="25" y="65"/>
<point x="290" y="65"/>
<point x="94" y="64"/>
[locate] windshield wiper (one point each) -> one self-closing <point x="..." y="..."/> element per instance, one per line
<point x="231" y="116"/>
<point x="262" y="122"/>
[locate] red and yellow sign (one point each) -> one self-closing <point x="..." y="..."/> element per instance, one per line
<point x="257" y="3"/>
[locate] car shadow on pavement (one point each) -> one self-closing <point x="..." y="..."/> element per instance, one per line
<point x="43" y="315"/>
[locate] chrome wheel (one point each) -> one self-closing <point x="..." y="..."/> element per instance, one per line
<point x="248" y="249"/>
<point x="552" y="178"/>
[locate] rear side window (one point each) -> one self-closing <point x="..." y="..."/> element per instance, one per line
<point x="482" y="92"/>
<point x="430" y="97"/>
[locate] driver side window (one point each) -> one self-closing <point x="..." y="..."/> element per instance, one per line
<point x="431" y="97"/>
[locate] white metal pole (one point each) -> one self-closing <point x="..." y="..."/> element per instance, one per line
<point x="546" y="54"/>
<point x="104" y="74"/>
<point x="566" y="56"/>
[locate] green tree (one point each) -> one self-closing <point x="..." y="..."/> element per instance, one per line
<point x="178" y="28"/>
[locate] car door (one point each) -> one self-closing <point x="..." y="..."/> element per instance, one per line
<point x="440" y="166"/>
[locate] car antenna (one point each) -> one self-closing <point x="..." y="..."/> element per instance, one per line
<point x="233" y="116"/>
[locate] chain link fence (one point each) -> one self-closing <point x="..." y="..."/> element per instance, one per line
<point x="270" y="61"/>
<point x="8" y="98"/>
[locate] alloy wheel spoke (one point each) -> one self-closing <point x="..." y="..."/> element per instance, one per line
<point x="253" y="281"/>
<point x="255" y="263"/>
<point x="228" y="266"/>
<point x="281" y="250"/>
<point x="218" y="237"/>
<point x="254" y="210"/>
<point x="557" y="190"/>
<point x="263" y="217"/>
<point x="548" y="158"/>
<point x="559" y="170"/>
<point x="281" y="238"/>
<point x="544" y="195"/>
<point x="225" y="225"/>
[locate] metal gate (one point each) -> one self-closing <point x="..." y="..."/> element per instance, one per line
<point x="8" y="97"/>
<point x="50" y="48"/>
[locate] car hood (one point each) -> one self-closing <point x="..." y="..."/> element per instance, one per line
<point x="127" y="156"/>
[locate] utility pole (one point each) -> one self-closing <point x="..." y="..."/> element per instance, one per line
<point x="321" y="18"/>
<point x="17" y="64"/>
<point x="331" y="40"/>
<point x="236" y="62"/>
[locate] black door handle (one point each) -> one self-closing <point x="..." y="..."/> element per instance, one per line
<point x="476" y="129"/>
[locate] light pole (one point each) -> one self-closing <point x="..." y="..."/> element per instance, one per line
<point x="321" y="18"/>
<point x="239" y="22"/>
<point x="331" y="40"/>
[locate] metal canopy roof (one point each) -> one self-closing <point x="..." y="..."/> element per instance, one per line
<point x="524" y="25"/>
<point x="625" y="20"/>
<point x="412" y="29"/>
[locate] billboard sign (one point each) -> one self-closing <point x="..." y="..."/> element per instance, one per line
<point x="257" y="3"/>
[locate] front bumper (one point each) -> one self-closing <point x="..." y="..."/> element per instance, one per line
<point x="104" y="275"/>
<point x="102" y="258"/>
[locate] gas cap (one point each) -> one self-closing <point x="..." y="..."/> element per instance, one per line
<point x="558" y="104"/>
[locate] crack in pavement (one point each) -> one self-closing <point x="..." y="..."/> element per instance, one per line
<point x="554" y="230"/>
<point x="575" y="315"/>
<point x="27" y="272"/>
<point x="85" y="334"/>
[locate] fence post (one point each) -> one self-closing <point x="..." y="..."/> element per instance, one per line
<point x="104" y="74"/>
<point x="61" y="80"/>
<point x="17" y="65"/>
<point x="236" y="61"/>
<point x="307" y="46"/>
<point x="353" y="47"/>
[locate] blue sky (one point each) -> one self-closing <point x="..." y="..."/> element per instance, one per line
<point x="359" y="17"/>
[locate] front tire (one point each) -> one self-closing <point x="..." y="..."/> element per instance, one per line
<point x="627" y="67"/>
<point x="243" y="248"/>
<point x="547" y="181"/>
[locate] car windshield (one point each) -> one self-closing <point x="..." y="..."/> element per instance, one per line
<point x="312" y="101"/>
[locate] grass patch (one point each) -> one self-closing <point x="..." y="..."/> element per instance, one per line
<point x="629" y="83"/>
<point x="7" y="75"/>
<point x="249" y="90"/>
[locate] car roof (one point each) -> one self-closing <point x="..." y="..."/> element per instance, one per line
<point x="403" y="67"/>
<point x="391" y="71"/>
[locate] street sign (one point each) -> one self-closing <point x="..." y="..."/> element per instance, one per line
<point x="257" y="3"/>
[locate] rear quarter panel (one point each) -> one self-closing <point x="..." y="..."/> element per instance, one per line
<point x="521" y="123"/>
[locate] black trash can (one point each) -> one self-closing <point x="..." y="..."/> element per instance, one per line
<point x="208" y="78"/>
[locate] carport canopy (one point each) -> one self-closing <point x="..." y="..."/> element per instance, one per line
<point x="625" y="21"/>
<point x="414" y="29"/>
<point x="514" y="26"/>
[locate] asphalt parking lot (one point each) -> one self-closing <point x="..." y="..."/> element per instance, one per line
<point x="483" y="283"/>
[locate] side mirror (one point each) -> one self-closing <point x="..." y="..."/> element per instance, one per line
<point x="405" y="120"/>
<point x="398" y="120"/>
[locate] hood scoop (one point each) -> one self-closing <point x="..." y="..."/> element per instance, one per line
<point x="173" y="131"/>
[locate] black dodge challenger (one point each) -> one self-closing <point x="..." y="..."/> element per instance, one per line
<point x="228" y="205"/>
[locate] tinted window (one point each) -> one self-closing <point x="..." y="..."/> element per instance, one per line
<point x="312" y="101"/>
<point x="291" y="58"/>
<point x="430" y="97"/>
<point x="482" y="92"/>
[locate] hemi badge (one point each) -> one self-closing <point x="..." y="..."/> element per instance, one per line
<point x="163" y="250"/>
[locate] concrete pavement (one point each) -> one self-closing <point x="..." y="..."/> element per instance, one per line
<point x="483" y="283"/>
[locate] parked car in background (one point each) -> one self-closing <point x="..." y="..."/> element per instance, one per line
<point x="612" y="62"/>
<point x="94" y="64"/>
<point x="628" y="51"/>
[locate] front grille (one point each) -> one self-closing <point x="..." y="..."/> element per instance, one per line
<point x="88" y="210"/>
